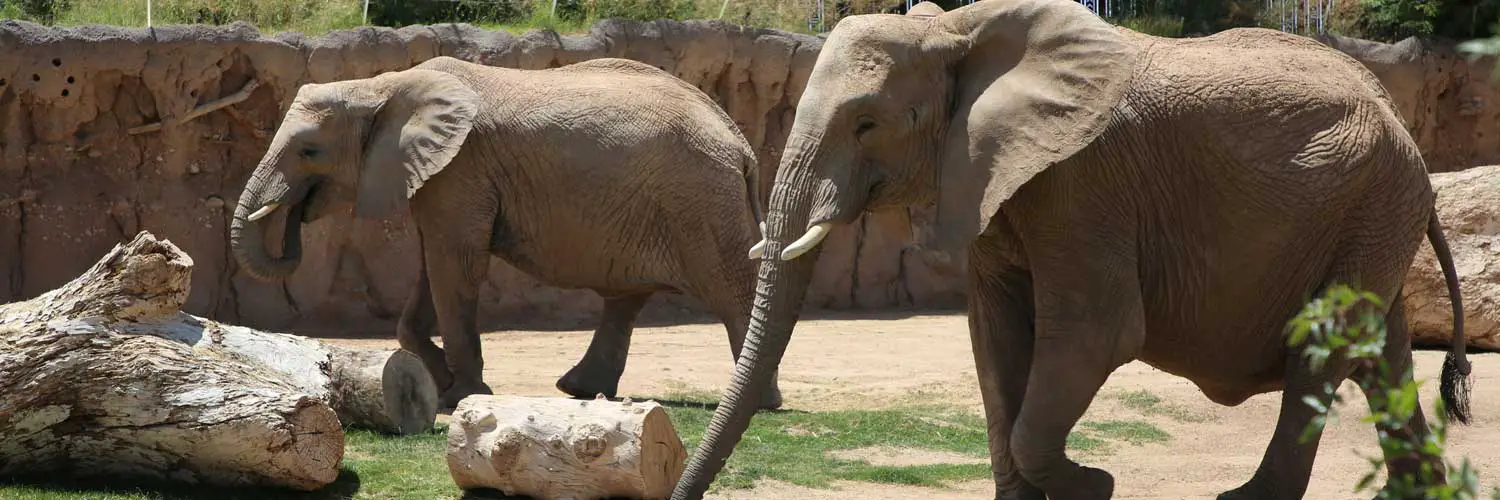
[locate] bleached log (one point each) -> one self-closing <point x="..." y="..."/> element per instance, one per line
<point x="83" y="393"/>
<point x="382" y="390"/>
<point x="564" y="449"/>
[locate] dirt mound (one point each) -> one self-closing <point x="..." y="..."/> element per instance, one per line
<point x="94" y="147"/>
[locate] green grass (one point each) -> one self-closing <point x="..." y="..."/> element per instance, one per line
<point x="1152" y="405"/>
<point x="789" y="446"/>
<point x="312" y="17"/>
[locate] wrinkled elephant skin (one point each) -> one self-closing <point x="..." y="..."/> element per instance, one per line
<point x="1117" y="197"/>
<point x="608" y="175"/>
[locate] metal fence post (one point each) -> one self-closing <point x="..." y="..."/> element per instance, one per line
<point x="366" y="18"/>
<point x="148" y="13"/>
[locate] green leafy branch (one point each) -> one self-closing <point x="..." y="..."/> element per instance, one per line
<point x="1347" y="326"/>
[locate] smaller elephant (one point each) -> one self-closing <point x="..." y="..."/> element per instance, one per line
<point x="609" y="175"/>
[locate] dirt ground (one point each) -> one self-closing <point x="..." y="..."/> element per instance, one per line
<point x="870" y="360"/>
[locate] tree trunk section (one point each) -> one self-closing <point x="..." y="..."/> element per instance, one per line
<point x="1468" y="204"/>
<point x="383" y="390"/>
<point x="564" y="449"/>
<point x="86" y="390"/>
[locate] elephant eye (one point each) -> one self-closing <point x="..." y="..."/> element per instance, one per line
<point x="865" y="125"/>
<point x="309" y="152"/>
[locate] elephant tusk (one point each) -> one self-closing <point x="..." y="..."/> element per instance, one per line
<point x="758" y="250"/>
<point x="264" y="211"/>
<point x="813" y="237"/>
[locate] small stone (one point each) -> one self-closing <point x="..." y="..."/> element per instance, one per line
<point x="213" y="201"/>
<point x="193" y="168"/>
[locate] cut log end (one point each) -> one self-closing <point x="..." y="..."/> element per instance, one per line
<point x="409" y="393"/>
<point x="557" y="448"/>
<point x="382" y="390"/>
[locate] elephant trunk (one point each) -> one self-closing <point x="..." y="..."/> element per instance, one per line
<point x="779" y="294"/>
<point x="247" y="237"/>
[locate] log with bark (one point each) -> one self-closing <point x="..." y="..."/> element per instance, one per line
<point x="84" y="393"/>
<point x="564" y="449"/>
<point x="384" y="390"/>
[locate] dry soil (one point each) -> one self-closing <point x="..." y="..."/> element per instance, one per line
<point x="885" y="359"/>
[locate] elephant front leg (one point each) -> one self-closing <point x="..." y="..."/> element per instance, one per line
<point x="1001" y="333"/>
<point x="602" y="365"/>
<point x="455" y="275"/>
<point x="1089" y="320"/>
<point x="414" y="332"/>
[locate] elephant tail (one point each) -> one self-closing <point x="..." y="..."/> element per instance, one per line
<point x="1455" y="385"/>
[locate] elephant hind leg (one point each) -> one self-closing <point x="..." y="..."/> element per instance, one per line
<point x="1287" y="463"/>
<point x="1398" y="360"/>
<point x="602" y="365"/>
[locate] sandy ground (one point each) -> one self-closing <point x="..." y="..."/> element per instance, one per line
<point x="871" y="360"/>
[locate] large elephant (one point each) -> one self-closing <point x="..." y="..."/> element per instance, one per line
<point x="1112" y="197"/>
<point x="608" y="174"/>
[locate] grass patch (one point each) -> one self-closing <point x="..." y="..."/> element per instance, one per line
<point x="1130" y="431"/>
<point x="788" y="446"/>
<point x="1152" y="405"/>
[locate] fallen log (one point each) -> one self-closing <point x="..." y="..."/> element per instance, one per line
<point x="83" y="393"/>
<point x="1468" y="204"/>
<point x="564" y="449"/>
<point x="383" y="390"/>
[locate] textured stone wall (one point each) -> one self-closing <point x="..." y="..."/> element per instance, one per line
<point x="75" y="178"/>
<point x="1451" y="104"/>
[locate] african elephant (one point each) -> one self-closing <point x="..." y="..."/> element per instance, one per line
<point x="1112" y="196"/>
<point x="608" y="175"/>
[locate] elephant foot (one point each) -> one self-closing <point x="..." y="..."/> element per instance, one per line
<point x="460" y="390"/>
<point x="771" y="398"/>
<point x="586" y="383"/>
<point x="1088" y="484"/>
<point x="1254" y="489"/>
<point x="1018" y="490"/>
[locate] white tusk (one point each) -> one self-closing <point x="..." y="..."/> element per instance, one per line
<point x="758" y="250"/>
<point x="264" y="211"/>
<point x="813" y="237"/>
<point x="762" y="230"/>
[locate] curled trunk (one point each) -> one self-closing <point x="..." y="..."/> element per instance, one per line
<point x="247" y="238"/>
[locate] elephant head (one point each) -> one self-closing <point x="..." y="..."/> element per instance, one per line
<point x="372" y="142"/>
<point x="956" y="109"/>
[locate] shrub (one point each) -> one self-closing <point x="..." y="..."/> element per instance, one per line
<point x="1346" y="324"/>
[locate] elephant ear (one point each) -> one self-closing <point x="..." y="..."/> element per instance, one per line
<point x="418" y="129"/>
<point x="1035" y="83"/>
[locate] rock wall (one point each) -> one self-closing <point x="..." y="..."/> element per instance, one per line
<point x="81" y="167"/>
<point x="1451" y="104"/>
<point x="1469" y="203"/>
<point x="78" y="173"/>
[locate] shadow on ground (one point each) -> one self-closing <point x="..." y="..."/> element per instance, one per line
<point x="345" y="487"/>
<point x="655" y="320"/>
